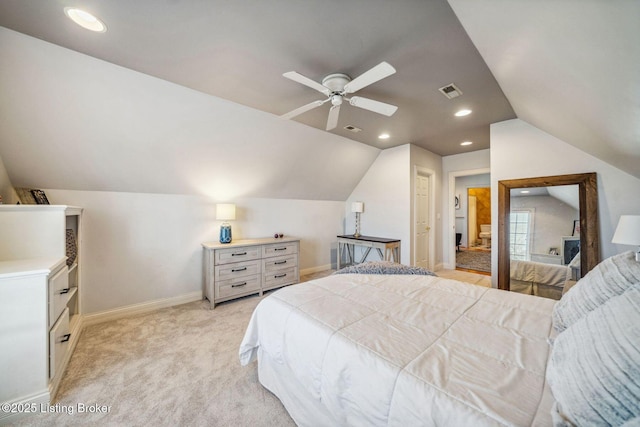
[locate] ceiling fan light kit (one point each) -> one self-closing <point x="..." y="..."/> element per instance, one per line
<point x="336" y="86"/>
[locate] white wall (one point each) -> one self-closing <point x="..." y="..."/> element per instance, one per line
<point x="140" y="247"/>
<point x="520" y="150"/>
<point x="7" y="192"/>
<point x="385" y="190"/>
<point x="458" y="165"/>
<point x="552" y="218"/>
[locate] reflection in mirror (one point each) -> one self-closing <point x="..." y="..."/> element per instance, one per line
<point x="543" y="244"/>
<point x="547" y="232"/>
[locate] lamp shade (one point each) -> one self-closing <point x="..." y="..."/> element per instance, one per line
<point x="628" y="230"/>
<point x="225" y="211"/>
<point x="357" y="207"/>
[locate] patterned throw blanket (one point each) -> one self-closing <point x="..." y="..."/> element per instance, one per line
<point x="384" y="267"/>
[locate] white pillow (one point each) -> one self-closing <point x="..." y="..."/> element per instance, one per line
<point x="594" y="369"/>
<point x="611" y="277"/>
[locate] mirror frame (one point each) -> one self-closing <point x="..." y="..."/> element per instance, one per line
<point x="589" y="228"/>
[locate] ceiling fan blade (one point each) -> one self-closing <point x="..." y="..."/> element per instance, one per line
<point x="297" y="77"/>
<point x="371" y="105"/>
<point x="332" y="121"/>
<point x="303" y="109"/>
<point x="378" y="72"/>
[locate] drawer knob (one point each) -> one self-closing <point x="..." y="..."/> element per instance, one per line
<point x="64" y="291"/>
<point x="278" y="276"/>
<point x="235" y="270"/>
<point x="280" y="262"/>
<point x="65" y="338"/>
<point x="239" y="254"/>
<point x="279" y="249"/>
<point x="239" y="285"/>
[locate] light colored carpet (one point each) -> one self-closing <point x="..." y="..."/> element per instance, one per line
<point x="174" y="367"/>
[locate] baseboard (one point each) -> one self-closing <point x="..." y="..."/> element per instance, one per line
<point x="315" y="269"/>
<point x="441" y="266"/>
<point x="145" y="307"/>
<point x="24" y="406"/>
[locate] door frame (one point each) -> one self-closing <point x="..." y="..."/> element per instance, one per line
<point x="428" y="173"/>
<point x="450" y="234"/>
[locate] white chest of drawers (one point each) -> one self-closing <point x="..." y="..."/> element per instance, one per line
<point x="40" y="301"/>
<point x="245" y="267"/>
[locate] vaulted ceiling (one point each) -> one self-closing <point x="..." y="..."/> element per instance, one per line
<point x="570" y="68"/>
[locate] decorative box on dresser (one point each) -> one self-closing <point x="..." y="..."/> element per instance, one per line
<point x="40" y="304"/>
<point x="245" y="267"/>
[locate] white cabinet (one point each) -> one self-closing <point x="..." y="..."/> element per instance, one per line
<point x="245" y="267"/>
<point x="40" y="304"/>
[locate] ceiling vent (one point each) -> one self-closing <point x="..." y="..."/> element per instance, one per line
<point x="352" y="128"/>
<point x="450" y="91"/>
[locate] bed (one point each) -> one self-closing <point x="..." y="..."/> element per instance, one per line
<point x="377" y="349"/>
<point x="540" y="279"/>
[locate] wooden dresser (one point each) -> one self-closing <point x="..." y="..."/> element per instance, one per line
<point x="245" y="267"/>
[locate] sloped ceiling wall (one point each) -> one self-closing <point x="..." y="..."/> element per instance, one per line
<point x="569" y="68"/>
<point x="69" y="121"/>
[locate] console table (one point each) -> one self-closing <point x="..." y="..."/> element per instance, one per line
<point x="391" y="248"/>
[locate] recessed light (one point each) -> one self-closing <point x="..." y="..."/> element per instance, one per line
<point x="466" y="143"/>
<point x="384" y="136"/>
<point x="524" y="191"/>
<point x="462" y="113"/>
<point x="85" y="19"/>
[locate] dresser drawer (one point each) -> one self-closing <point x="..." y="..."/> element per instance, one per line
<point x="279" y="249"/>
<point x="237" y="286"/>
<point x="237" y="269"/>
<point x="270" y="265"/>
<point x="280" y="278"/>
<point x="245" y="253"/>
<point x="58" y="294"/>
<point x="58" y="343"/>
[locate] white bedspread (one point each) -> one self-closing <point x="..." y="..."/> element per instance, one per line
<point x="539" y="272"/>
<point x="407" y="350"/>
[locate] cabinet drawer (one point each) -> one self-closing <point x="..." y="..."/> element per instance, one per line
<point x="58" y="293"/>
<point x="245" y="253"/>
<point x="238" y="269"/>
<point x="283" y="262"/>
<point x="237" y="286"/>
<point x="280" y="278"/>
<point x="58" y="343"/>
<point x="279" y="249"/>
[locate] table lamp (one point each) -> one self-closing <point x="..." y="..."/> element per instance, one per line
<point x="358" y="208"/>
<point x="225" y="212"/>
<point x="628" y="232"/>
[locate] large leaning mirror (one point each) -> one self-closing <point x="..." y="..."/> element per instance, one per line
<point x="538" y="222"/>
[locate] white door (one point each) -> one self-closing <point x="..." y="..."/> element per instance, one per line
<point x="422" y="226"/>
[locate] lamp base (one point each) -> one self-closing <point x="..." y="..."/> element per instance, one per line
<point x="225" y="233"/>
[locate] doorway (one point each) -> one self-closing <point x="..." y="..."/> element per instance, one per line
<point x="472" y="222"/>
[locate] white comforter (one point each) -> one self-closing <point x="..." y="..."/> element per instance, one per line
<point x="379" y="350"/>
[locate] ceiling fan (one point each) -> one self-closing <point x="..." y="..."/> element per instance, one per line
<point x="337" y="86"/>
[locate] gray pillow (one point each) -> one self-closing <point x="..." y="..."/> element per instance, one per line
<point x="594" y="369"/>
<point x="611" y="277"/>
